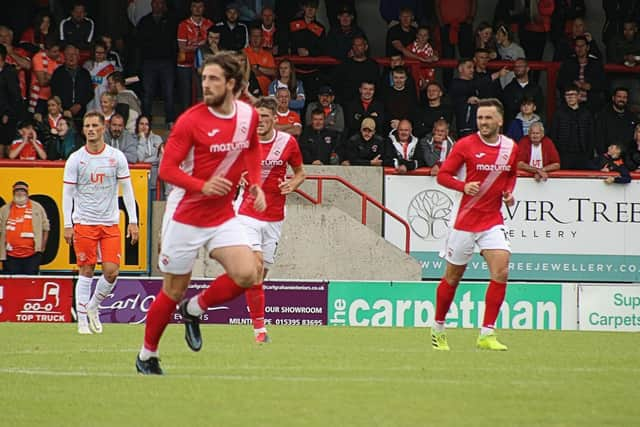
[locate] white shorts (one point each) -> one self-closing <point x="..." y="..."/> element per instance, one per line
<point x="459" y="244"/>
<point x="263" y="236"/>
<point x="181" y="242"/>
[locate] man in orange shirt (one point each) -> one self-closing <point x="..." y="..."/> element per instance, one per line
<point x="28" y="147"/>
<point x="44" y="63"/>
<point x="286" y="120"/>
<point x="24" y="229"/>
<point x="260" y="59"/>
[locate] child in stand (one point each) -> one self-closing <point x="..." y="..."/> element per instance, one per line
<point x="519" y="127"/>
<point x="612" y="161"/>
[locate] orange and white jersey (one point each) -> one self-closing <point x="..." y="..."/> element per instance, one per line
<point x="95" y="177"/>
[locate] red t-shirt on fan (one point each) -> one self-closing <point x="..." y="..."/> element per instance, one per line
<point x="283" y="149"/>
<point x="494" y="166"/>
<point x="203" y="144"/>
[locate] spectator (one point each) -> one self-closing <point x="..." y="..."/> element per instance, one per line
<point x="118" y="137"/>
<point x="148" y="150"/>
<point x="261" y="60"/>
<point x="17" y="57"/>
<point x="111" y="55"/>
<point x="99" y="67"/>
<point x="340" y="38"/>
<point x="399" y="100"/>
<point x="617" y="12"/>
<point x="24" y="230"/>
<point x="349" y="75"/>
<point x="566" y="47"/>
<point x="250" y="90"/>
<point x="507" y="51"/>
<point x="233" y="34"/>
<point x="34" y="38"/>
<point x="613" y="161"/>
<point x="127" y="102"/>
<point x="455" y="19"/>
<point x="366" y="106"/>
<point x="77" y="29"/>
<point x="54" y="113"/>
<point x="422" y="51"/>
<point x="156" y="37"/>
<point x="488" y="84"/>
<point x="307" y="35"/>
<point x="625" y="47"/>
<point x="108" y="106"/>
<point x="437" y="146"/>
<point x="192" y="33"/>
<point x="615" y="123"/>
<point x="519" y="88"/>
<point x="402" y="149"/>
<point x="536" y="26"/>
<point x="210" y="48"/>
<point x="483" y="39"/>
<point x="572" y="132"/>
<point x="633" y="151"/>
<point x="564" y="13"/>
<point x="286" y="77"/>
<point x="537" y="154"/>
<point x="387" y="75"/>
<point x="72" y="84"/>
<point x="27" y="147"/>
<point x="333" y="113"/>
<point x="523" y="121"/>
<point x="9" y="101"/>
<point x="365" y="148"/>
<point x="286" y="120"/>
<point x="270" y="36"/>
<point x="425" y="117"/>
<point x="64" y="141"/>
<point x="334" y="7"/>
<point x="401" y="34"/>
<point x="587" y="72"/>
<point x="464" y="97"/>
<point x="45" y="63"/>
<point x="319" y="145"/>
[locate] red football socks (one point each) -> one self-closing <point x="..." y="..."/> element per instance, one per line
<point x="255" y="302"/>
<point x="222" y="289"/>
<point x="493" y="302"/>
<point x="444" y="298"/>
<point x="158" y="317"/>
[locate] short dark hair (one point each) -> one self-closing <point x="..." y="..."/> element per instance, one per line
<point x="399" y="69"/>
<point x="317" y="112"/>
<point x="527" y="100"/>
<point x="231" y="67"/>
<point x="118" y="116"/>
<point x="94" y="113"/>
<point x="464" y="61"/>
<point x="570" y="88"/>
<point x="619" y="89"/>
<point x="215" y="29"/>
<point x="267" y="102"/>
<point x="434" y="83"/>
<point x="583" y="38"/>
<point x="117" y="76"/>
<point x="492" y="102"/>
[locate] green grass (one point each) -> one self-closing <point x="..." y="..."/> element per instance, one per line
<point x="316" y="376"/>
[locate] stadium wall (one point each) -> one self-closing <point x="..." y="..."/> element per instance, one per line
<point x="541" y="306"/>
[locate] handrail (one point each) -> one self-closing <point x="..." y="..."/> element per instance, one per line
<point x="551" y="69"/>
<point x="365" y="199"/>
<point x="54" y="164"/>
<point x="425" y="171"/>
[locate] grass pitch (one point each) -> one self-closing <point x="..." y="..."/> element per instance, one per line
<point x="316" y="376"/>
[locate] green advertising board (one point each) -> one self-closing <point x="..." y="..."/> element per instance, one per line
<point x="412" y="304"/>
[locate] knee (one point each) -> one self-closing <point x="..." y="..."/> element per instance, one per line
<point x="501" y="275"/>
<point x="245" y="278"/>
<point x="110" y="276"/>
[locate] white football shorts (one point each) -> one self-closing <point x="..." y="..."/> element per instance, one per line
<point x="460" y="244"/>
<point x="181" y="242"/>
<point x="263" y="236"/>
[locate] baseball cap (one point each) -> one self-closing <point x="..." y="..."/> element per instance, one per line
<point x="325" y="90"/>
<point x="232" y="5"/>
<point x="345" y="9"/>
<point x="21" y="185"/>
<point x="368" y="123"/>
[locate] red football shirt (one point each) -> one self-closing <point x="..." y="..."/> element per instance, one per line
<point x="494" y="166"/>
<point x="283" y="149"/>
<point x="203" y="144"/>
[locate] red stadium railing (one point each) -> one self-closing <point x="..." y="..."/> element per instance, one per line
<point x="366" y="199"/>
<point x="595" y="174"/>
<point x="414" y="66"/>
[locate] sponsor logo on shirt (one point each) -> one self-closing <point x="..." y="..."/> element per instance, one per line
<point x="229" y="146"/>
<point x="493" y="167"/>
<point x="480" y="155"/>
<point x="213" y="132"/>
<point x="268" y="162"/>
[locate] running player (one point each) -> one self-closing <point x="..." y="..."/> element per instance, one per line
<point x="490" y="161"/>
<point x="90" y="190"/>
<point x="210" y="146"/>
<point x="278" y="149"/>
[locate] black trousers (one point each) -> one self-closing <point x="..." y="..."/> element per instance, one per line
<point x="29" y="265"/>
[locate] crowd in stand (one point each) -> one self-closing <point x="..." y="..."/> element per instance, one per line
<point x="353" y="113"/>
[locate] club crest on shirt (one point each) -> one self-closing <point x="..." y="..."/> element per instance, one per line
<point x="112" y="161"/>
<point x="327" y="140"/>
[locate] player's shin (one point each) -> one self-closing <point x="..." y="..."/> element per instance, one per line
<point x="103" y="289"/>
<point x="221" y="290"/>
<point x="158" y="318"/>
<point x="255" y="301"/>
<point x="82" y="293"/>
<point x="493" y="301"/>
<point x="444" y="298"/>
